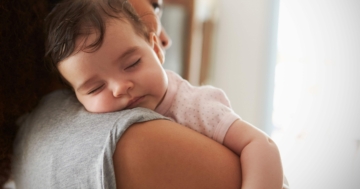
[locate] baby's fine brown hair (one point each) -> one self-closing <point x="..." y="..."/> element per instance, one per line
<point x="71" y="19"/>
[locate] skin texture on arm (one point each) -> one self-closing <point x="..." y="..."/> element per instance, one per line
<point x="259" y="156"/>
<point x="163" y="154"/>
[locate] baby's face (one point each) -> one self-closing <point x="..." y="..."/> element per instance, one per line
<point x="125" y="72"/>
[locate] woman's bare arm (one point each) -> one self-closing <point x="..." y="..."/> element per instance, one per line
<point x="163" y="154"/>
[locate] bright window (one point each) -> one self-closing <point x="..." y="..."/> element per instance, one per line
<point x="316" y="98"/>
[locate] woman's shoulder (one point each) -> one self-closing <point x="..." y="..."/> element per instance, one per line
<point x="59" y="138"/>
<point x="60" y="112"/>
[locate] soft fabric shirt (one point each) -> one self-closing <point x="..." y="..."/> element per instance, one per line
<point x="205" y="109"/>
<point x="61" y="145"/>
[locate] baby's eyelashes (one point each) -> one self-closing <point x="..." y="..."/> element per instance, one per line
<point x="133" y="65"/>
<point x="95" y="90"/>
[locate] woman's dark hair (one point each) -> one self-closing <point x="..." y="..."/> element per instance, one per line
<point x="23" y="76"/>
<point x="71" y="19"/>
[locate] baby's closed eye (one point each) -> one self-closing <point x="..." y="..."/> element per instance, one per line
<point x="96" y="89"/>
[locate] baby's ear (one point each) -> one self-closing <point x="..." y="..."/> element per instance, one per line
<point x="155" y="44"/>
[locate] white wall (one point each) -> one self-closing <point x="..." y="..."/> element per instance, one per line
<point x="244" y="60"/>
<point x="320" y="144"/>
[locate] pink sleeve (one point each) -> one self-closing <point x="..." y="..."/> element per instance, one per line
<point x="204" y="109"/>
<point x="220" y="103"/>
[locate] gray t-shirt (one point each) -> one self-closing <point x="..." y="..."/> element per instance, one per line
<point x="61" y="145"/>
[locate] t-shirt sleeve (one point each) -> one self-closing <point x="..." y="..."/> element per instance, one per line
<point x="205" y="109"/>
<point x="61" y="145"/>
<point x="216" y="107"/>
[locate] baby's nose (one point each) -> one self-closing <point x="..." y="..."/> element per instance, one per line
<point x="122" y="88"/>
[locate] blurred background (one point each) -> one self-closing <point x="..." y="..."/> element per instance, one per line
<point x="289" y="67"/>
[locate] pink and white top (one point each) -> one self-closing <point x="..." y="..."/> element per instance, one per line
<point x="205" y="109"/>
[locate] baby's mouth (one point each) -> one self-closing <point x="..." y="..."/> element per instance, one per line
<point x="134" y="102"/>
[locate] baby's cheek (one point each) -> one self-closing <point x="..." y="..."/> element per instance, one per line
<point x="90" y="105"/>
<point x="95" y="104"/>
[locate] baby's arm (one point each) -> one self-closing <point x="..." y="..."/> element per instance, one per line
<point x="259" y="156"/>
